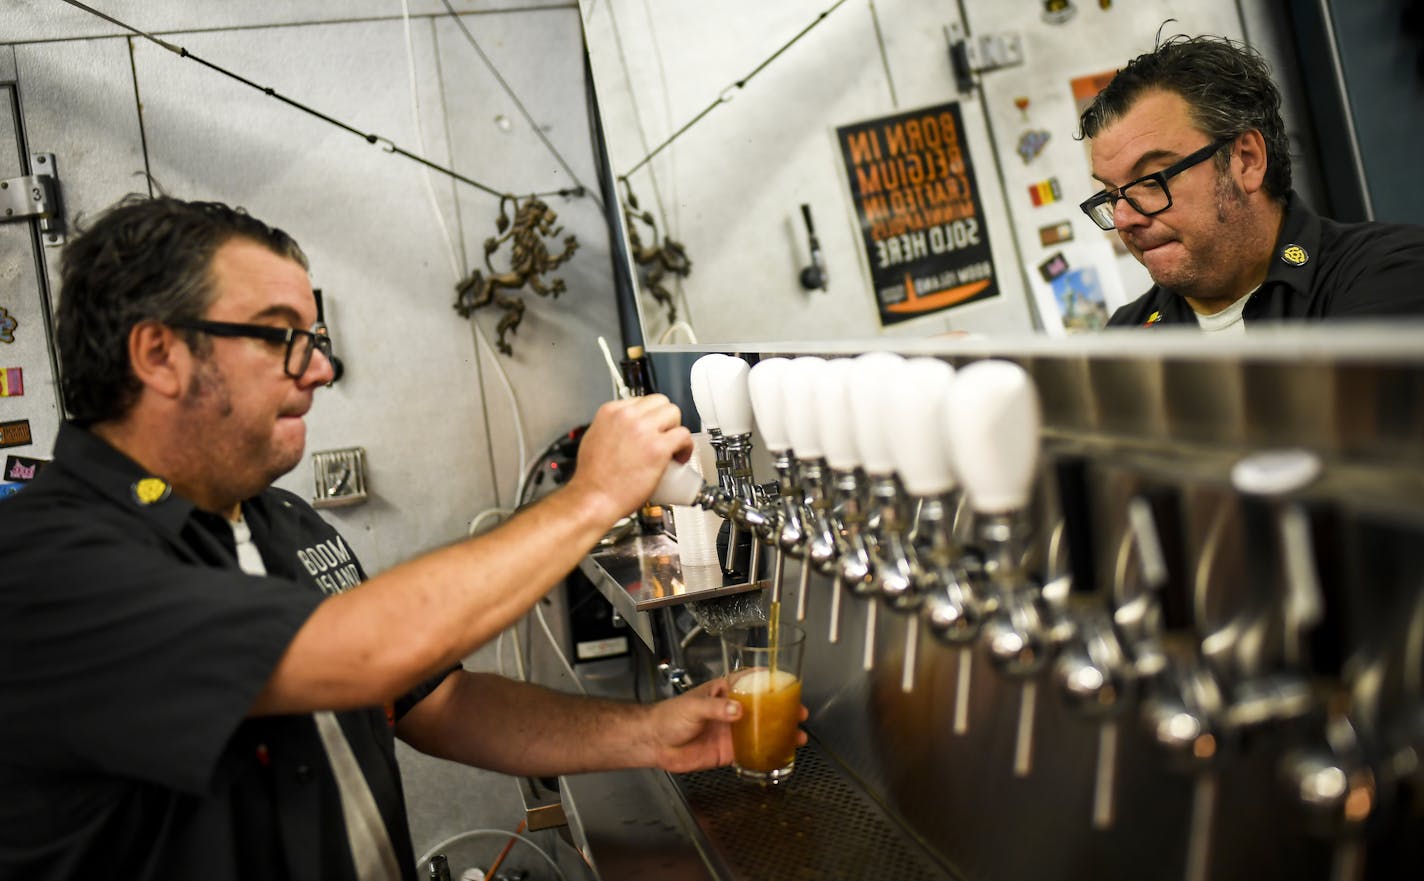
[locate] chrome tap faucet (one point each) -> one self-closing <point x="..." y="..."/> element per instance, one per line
<point x="784" y="531"/>
<point x="993" y="419"/>
<point x="853" y="567"/>
<point x="818" y="554"/>
<point x="922" y="552"/>
<point x="764" y="384"/>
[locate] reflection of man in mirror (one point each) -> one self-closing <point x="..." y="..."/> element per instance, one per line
<point x="1190" y="147"/>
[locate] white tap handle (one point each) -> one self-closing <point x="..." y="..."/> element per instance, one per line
<point x="727" y="378"/>
<point x="872" y="377"/>
<point x="764" y="385"/>
<point x="916" y="427"/>
<point x="993" y="421"/>
<point x="702" y="391"/>
<point x="679" y="485"/>
<point x="799" y="403"/>
<point x="834" y="415"/>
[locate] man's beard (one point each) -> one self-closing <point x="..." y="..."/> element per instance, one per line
<point x="208" y="384"/>
<point x="1229" y="198"/>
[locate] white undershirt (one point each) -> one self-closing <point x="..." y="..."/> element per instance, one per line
<point x="1228" y="320"/>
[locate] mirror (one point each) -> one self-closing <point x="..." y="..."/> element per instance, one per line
<point x="723" y="121"/>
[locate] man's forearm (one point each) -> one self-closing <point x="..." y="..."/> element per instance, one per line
<point x="380" y="639"/>
<point x="376" y="641"/>
<point x="519" y="728"/>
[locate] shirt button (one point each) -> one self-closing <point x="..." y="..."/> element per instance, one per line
<point x="304" y="774"/>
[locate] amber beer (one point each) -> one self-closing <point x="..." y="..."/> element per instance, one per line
<point x="764" y="738"/>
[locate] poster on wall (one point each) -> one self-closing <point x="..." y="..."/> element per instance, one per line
<point x="917" y="202"/>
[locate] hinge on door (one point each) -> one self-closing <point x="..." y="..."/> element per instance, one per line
<point x="35" y="196"/>
<point x="970" y="56"/>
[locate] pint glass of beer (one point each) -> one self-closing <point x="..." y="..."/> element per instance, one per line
<point x="764" y="676"/>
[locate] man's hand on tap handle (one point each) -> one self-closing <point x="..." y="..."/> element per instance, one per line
<point x="626" y="450"/>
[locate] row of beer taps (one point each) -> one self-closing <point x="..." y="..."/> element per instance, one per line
<point x="906" y="484"/>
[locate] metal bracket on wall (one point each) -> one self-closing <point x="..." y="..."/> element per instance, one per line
<point x="340" y="477"/>
<point x="986" y="52"/>
<point x="35" y="196"/>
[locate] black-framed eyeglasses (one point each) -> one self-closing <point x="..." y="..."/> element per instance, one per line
<point x="300" y="343"/>
<point x="1148" y="195"/>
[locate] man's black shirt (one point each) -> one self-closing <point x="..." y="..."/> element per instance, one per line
<point x="1320" y="269"/>
<point x="131" y="648"/>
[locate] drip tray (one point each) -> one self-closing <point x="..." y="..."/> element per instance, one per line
<point x="817" y="826"/>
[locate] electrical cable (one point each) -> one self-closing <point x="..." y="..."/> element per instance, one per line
<point x="499" y="860"/>
<point x="558" y="652"/>
<point x="724" y="98"/>
<point x="479" y="833"/>
<point x="476" y="523"/>
<point x="460" y="271"/>
<point x="684" y="327"/>
<point x="369" y="137"/>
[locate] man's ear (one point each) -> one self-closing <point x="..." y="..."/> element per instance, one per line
<point x="159" y="358"/>
<point x="1251" y="153"/>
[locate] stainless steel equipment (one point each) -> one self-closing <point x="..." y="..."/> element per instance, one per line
<point x="1234" y="656"/>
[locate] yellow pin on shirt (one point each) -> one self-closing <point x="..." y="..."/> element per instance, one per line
<point x="151" y="490"/>
<point x="1295" y="255"/>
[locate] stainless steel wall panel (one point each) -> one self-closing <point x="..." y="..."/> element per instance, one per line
<point x="78" y="102"/>
<point x="556" y="365"/>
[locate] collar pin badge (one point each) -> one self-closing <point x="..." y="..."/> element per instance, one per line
<point x="151" y="490"/>
<point x="1295" y="255"/>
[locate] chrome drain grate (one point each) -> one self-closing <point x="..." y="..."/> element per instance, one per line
<point x="814" y="827"/>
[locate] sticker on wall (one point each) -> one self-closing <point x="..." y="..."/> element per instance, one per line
<point x="15" y="433"/>
<point x="9" y="489"/>
<point x="22" y="468"/>
<point x="1053" y="267"/>
<point x="1055" y="233"/>
<point x="1031" y="143"/>
<point x="918" y="207"/>
<point x="1105" y="5"/>
<point x="1080" y="298"/>
<point x="1077" y="288"/>
<point x="1058" y="11"/>
<point x="12" y="382"/>
<point x="7" y="326"/>
<point x="1045" y="192"/>
<point x="1021" y="102"/>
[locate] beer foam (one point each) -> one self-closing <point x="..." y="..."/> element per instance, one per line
<point x="762" y="682"/>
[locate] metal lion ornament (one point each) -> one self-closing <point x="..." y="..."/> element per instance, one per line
<point x="529" y="263"/>
<point x="664" y="257"/>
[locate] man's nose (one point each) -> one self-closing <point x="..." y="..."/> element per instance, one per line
<point x="1125" y="216"/>
<point x="319" y="371"/>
